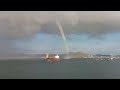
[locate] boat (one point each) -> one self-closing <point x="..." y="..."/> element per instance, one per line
<point x="52" y="58"/>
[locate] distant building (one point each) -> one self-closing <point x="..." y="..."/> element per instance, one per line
<point x="102" y="56"/>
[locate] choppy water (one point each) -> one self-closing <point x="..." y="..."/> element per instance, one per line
<point x="64" y="69"/>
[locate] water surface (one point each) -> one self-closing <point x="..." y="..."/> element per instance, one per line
<point x="64" y="69"/>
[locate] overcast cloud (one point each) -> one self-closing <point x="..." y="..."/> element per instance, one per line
<point x="20" y="24"/>
<point x="23" y="23"/>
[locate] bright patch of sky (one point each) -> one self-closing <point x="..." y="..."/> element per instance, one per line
<point x="43" y="43"/>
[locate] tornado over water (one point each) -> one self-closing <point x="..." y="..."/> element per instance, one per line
<point x="63" y="35"/>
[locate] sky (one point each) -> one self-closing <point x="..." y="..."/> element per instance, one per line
<point x="42" y="43"/>
<point x="93" y="32"/>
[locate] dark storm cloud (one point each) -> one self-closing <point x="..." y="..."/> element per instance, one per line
<point x="24" y="23"/>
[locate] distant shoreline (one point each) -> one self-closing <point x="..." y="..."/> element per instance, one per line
<point x="71" y="55"/>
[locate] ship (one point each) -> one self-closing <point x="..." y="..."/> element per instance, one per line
<point x="52" y="58"/>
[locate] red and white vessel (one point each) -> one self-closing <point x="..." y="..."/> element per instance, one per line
<point x="52" y="58"/>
